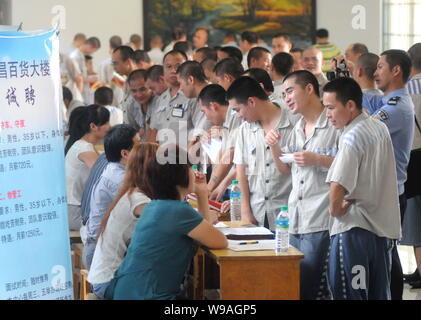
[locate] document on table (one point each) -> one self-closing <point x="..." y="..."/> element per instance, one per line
<point x="247" y="233"/>
<point x="260" y="245"/>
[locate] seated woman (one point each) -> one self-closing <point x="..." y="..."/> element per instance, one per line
<point x="120" y="219"/>
<point x="161" y="248"/>
<point x="87" y="127"/>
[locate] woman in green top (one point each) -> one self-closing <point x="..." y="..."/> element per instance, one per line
<point x="161" y="248"/>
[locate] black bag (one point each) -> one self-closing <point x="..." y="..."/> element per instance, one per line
<point x="413" y="182"/>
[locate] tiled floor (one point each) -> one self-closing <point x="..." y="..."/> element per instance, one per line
<point x="406" y="254"/>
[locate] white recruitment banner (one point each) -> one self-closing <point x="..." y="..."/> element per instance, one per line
<point x="35" y="260"/>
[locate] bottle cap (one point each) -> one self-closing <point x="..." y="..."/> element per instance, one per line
<point x="234" y="181"/>
<point x="194" y="167"/>
<point x="284" y="208"/>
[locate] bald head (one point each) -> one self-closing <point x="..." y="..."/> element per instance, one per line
<point x="366" y="65"/>
<point x="354" y="51"/>
<point x="313" y="60"/>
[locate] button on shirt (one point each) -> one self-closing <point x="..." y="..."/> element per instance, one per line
<point x="365" y="167"/>
<point x="103" y="195"/>
<point x="396" y="110"/>
<point x="174" y="114"/>
<point x="269" y="189"/>
<point x="309" y="199"/>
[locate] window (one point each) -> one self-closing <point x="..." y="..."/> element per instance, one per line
<point x="401" y="23"/>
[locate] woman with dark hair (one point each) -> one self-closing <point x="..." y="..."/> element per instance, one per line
<point x="87" y="127"/>
<point x="161" y="247"/>
<point x="120" y="219"/>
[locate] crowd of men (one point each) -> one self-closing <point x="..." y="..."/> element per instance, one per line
<point x="348" y="140"/>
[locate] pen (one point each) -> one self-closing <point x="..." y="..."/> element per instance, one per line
<point x="248" y="242"/>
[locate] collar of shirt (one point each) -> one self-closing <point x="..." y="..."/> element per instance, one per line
<point x="283" y="122"/>
<point x="354" y="122"/>
<point x="116" y="166"/>
<point x="417" y="76"/>
<point x="399" y="92"/>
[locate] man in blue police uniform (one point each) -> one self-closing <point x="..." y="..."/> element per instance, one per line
<point x="396" y="110"/>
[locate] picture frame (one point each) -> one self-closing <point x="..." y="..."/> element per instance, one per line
<point x="297" y="18"/>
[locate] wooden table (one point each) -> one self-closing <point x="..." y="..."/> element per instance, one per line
<point x="247" y="275"/>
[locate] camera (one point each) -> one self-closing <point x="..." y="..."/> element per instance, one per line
<point x="340" y="71"/>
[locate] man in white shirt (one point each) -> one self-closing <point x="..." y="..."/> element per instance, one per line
<point x="156" y="54"/>
<point x="364" y="202"/>
<point x="313" y="144"/>
<point x="313" y="61"/>
<point x="281" y="65"/>
<point x="263" y="189"/>
<point x="89" y="47"/>
<point x="78" y="40"/>
<point x="363" y="72"/>
<point x="249" y="39"/>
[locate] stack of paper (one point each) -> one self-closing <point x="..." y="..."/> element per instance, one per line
<point x="258" y="233"/>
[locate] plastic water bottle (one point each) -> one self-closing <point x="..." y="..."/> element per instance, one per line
<point x="282" y="235"/>
<point x="235" y="201"/>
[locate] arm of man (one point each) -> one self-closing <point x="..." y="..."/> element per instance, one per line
<point x="246" y="212"/>
<point x="337" y="205"/>
<point x="307" y="159"/>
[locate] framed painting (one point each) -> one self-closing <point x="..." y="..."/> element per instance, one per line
<point x="266" y="17"/>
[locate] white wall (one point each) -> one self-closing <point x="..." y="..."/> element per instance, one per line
<point x="337" y="16"/>
<point x="99" y="18"/>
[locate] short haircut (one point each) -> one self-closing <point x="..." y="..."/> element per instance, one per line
<point x="208" y="53"/>
<point x="178" y="33"/>
<point x="245" y="87"/>
<point x="208" y="64"/>
<point x="94" y="42"/>
<point x="118" y="138"/>
<point x="359" y="48"/>
<point x="415" y="54"/>
<point x="154" y="73"/>
<point x="399" y="58"/>
<point x="213" y="93"/>
<point x="88" y="57"/>
<point x="174" y="53"/>
<point x="67" y="94"/>
<point x="134" y="38"/>
<point x="303" y="78"/>
<point x="283" y="63"/>
<point x="115" y="42"/>
<point x="233" y="52"/>
<point x="368" y="62"/>
<point x="203" y="29"/>
<point x="283" y="35"/>
<point x="126" y="52"/>
<point x="141" y="56"/>
<point x="345" y="89"/>
<point x="262" y="77"/>
<point x="230" y="66"/>
<point x="136" y="75"/>
<point x="256" y="53"/>
<point x="296" y="50"/>
<point x="184" y="46"/>
<point x="104" y="96"/>
<point x="79" y="36"/>
<point x="191" y="69"/>
<point x="322" y="33"/>
<point x="250" y="36"/>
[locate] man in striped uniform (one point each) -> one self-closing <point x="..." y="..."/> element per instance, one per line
<point x="364" y="203"/>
